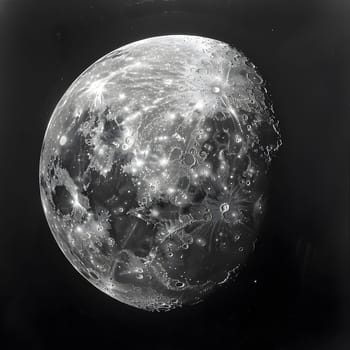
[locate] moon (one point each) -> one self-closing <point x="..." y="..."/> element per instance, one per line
<point x="153" y="169"/>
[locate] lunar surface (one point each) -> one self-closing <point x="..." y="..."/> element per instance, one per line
<point x="153" y="169"/>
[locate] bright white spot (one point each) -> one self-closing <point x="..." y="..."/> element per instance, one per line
<point x="145" y="152"/>
<point x="162" y="138"/>
<point x="139" y="162"/>
<point x="122" y="96"/>
<point x="78" y="112"/>
<point x="97" y="86"/>
<point x="205" y="172"/>
<point x="168" y="81"/>
<point x="171" y="190"/>
<point x="154" y="212"/>
<point x="199" y="105"/>
<point x="78" y="229"/>
<point x="75" y="201"/>
<point x="157" y="100"/>
<point x="163" y="162"/>
<point x="63" y="140"/>
<point x="201" y="242"/>
<point x="216" y="89"/>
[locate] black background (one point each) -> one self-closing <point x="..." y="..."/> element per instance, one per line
<point x="299" y="300"/>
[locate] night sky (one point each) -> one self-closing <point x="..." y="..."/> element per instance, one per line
<point x="293" y="292"/>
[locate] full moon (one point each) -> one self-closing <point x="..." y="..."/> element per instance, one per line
<point x="153" y="169"/>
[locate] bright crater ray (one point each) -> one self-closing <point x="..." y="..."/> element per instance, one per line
<point x="153" y="167"/>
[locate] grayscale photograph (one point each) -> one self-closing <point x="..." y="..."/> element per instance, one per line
<point x="175" y="174"/>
